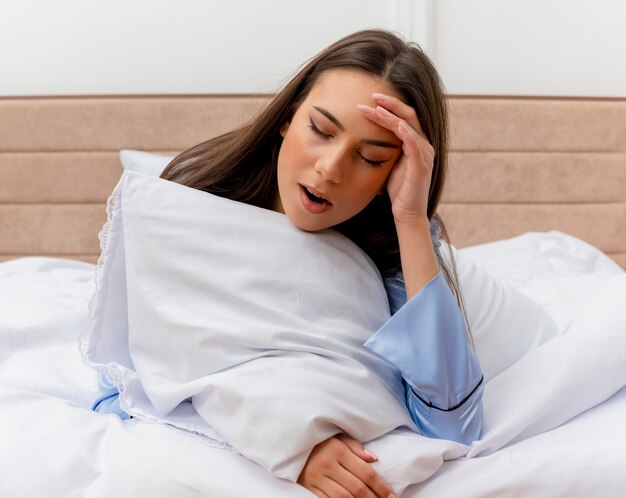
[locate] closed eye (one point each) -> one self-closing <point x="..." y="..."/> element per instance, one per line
<point x="326" y="136"/>
<point x="319" y="132"/>
<point x="376" y="164"/>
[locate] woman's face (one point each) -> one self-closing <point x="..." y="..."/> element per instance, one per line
<point x="333" y="161"/>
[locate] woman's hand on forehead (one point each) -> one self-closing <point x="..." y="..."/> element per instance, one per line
<point x="409" y="182"/>
<point x="401" y="110"/>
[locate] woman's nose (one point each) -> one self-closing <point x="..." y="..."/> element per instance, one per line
<point x="330" y="166"/>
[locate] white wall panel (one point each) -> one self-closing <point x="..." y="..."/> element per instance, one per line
<point x="505" y="47"/>
<point x="165" y="46"/>
<point x="532" y="47"/>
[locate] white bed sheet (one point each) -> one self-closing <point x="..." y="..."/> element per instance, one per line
<point x="53" y="445"/>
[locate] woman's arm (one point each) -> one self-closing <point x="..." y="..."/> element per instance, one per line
<point x="417" y="255"/>
<point x="427" y="338"/>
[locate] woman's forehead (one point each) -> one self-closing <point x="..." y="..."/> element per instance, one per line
<point x="336" y="96"/>
<point x="350" y="83"/>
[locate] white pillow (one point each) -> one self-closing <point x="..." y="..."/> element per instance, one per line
<point x="147" y="163"/>
<point x="259" y="324"/>
<point x="506" y="324"/>
<point x="194" y="302"/>
<point x="554" y="269"/>
<point x="536" y="256"/>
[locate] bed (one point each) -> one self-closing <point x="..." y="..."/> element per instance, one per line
<point x="536" y="195"/>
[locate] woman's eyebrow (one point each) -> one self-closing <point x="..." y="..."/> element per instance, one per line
<point x="330" y="117"/>
<point x="380" y="143"/>
<point x="337" y="123"/>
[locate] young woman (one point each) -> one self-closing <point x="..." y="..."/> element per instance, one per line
<point x="357" y="141"/>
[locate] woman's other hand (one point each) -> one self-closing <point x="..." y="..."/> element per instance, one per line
<point x="340" y="467"/>
<point x="409" y="182"/>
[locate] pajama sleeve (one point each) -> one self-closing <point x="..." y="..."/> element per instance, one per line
<point x="109" y="399"/>
<point x="426" y="339"/>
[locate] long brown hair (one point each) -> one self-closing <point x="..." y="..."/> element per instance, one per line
<point x="241" y="164"/>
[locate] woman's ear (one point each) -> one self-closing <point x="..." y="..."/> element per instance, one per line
<point x="284" y="128"/>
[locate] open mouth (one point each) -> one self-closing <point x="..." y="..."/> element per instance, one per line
<point x="314" y="198"/>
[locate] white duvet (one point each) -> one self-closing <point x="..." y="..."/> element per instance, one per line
<point x="541" y="438"/>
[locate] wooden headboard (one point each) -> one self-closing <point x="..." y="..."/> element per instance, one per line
<point x="516" y="165"/>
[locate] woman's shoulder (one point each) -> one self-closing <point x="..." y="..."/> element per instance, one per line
<point x="393" y="280"/>
<point x="392" y="274"/>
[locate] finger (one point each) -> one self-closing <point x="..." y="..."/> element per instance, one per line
<point x="351" y="484"/>
<point x="383" y="117"/>
<point x="360" y="473"/>
<point x="357" y="448"/>
<point x="318" y="492"/>
<point x="413" y="145"/>
<point x="419" y="153"/>
<point x="400" y="109"/>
